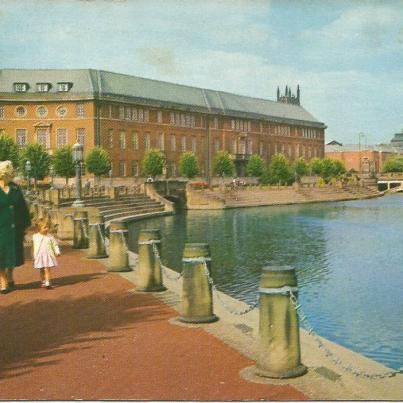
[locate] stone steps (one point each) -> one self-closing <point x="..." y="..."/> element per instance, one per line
<point x="133" y="212"/>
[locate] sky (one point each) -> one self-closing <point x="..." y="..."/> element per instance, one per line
<point x="347" y="56"/>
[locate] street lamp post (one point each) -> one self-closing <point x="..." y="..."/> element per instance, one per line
<point x="28" y="171"/>
<point x="110" y="177"/>
<point x="78" y="158"/>
<point x="52" y="174"/>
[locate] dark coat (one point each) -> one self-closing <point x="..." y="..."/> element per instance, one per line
<point x="14" y="219"/>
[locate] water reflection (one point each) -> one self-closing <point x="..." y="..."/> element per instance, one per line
<point x="348" y="258"/>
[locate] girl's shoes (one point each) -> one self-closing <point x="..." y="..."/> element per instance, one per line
<point x="47" y="285"/>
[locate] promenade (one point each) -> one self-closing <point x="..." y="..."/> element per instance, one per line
<point x="92" y="337"/>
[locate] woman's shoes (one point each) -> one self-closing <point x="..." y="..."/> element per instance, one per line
<point x="5" y="291"/>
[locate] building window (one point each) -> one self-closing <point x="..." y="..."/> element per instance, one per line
<point x="173" y="142"/>
<point x="110" y="111"/>
<point x="159" y="116"/>
<point x="147" y="141"/>
<point x="194" y="144"/>
<point x="61" y="137"/>
<point x="249" y="146"/>
<point x="234" y="148"/>
<point x="61" y="111"/>
<point x="128" y="112"/>
<point x="80" y="111"/>
<point x="240" y="125"/>
<point x="135" y="168"/>
<point x="122" y="168"/>
<point x="110" y="138"/>
<point x="80" y="136"/>
<point x="215" y="123"/>
<point x="42" y="87"/>
<point x="182" y="119"/>
<point x="216" y="145"/>
<point x="20" y="111"/>
<point x="41" y="111"/>
<point x="20" y="87"/>
<point x="261" y="148"/>
<point x="21" y="137"/>
<point x="183" y="142"/>
<point x="42" y="137"/>
<point x="161" y="141"/>
<point x="135" y="141"/>
<point x="122" y="140"/>
<point x="2" y="112"/>
<point x="121" y="112"/>
<point x="64" y="87"/>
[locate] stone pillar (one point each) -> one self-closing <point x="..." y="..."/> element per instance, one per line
<point x="149" y="276"/>
<point x="197" y="298"/>
<point x="55" y="196"/>
<point x="118" y="256"/>
<point x="65" y="230"/>
<point x="97" y="247"/>
<point x="279" y="349"/>
<point x="80" y="236"/>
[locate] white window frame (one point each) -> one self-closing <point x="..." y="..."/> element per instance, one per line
<point x="42" y="87"/>
<point x="147" y="141"/>
<point x="61" y="133"/>
<point x="43" y="134"/>
<point x="80" y="110"/>
<point x="122" y="140"/>
<point x="80" y="135"/>
<point x="183" y="144"/>
<point x="135" y="141"/>
<point x="194" y="145"/>
<point x="20" y="87"/>
<point x="122" y="164"/>
<point x="21" y="133"/>
<point x="110" y="138"/>
<point x="63" y="87"/>
<point x="173" y="142"/>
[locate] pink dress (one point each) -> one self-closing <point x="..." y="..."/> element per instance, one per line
<point x="45" y="251"/>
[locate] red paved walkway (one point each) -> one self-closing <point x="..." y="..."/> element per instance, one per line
<point x="91" y="339"/>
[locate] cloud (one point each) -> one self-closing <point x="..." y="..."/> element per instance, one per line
<point x="162" y="59"/>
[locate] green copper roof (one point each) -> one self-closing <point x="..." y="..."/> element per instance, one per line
<point x="120" y="87"/>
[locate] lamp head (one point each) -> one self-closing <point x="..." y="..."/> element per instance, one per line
<point x="78" y="153"/>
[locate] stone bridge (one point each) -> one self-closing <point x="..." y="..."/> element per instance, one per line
<point x="391" y="182"/>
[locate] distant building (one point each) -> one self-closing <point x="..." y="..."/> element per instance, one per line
<point x="129" y="115"/>
<point x="397" y="141"/>
<point x="359" y="158"/>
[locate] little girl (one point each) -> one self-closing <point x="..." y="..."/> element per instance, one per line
<point x="45" y="251"/>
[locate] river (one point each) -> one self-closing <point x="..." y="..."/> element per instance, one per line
<point x="348" y="256"/>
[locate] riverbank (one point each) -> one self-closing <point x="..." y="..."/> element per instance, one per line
<point x="324" y="380"/>
<point x="254" y="196"/>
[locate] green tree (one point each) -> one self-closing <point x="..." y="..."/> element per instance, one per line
<point x="63" y="163"/>
<point x="393" y="163"/>
<point x="223" y="164"/>
<point x="40" y="161"/>
<point x="153" y="163"/>
<point x="300" y="168"/>
<point x="188" y="165"/>
<point x="98" y="162"/>
<point x="9" y="150"/>
<point x="255" y="166"/>
<point x="316" y="166"/>
<point x="280" y="170"/>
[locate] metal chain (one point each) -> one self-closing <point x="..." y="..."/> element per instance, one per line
<point x="223" y="303"/>
<point x="349" y="368"/>
<point x="164" y="268"/>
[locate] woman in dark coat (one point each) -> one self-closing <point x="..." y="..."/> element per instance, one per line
<point x="14" y="220"/>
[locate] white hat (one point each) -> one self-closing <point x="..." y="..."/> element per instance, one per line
<point x="6" y="169"/>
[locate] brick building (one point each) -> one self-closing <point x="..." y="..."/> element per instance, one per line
<point x="368" y="159"/>
<point x="128" y="115"/>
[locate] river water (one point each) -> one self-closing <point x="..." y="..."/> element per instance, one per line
<point x="348" y="256"/>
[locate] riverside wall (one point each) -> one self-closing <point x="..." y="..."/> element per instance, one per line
<point x="251" y="196"/>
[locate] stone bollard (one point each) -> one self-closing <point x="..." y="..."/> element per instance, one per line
<point x="97" y="249"/>
<point x="197" y="298"/>
<point x="80" y="224"/>
<point x="149" y="276"/>
<point x="118" y="256"/>
<point x="279" y="349"/>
